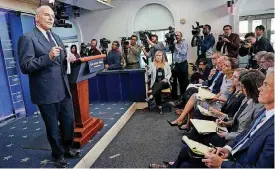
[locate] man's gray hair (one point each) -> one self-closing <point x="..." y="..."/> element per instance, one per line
<point x="269" y="56"/>
<point x="260" y="54"/>
<point x="41" y="7"/>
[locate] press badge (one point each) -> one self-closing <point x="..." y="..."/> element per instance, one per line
<point x="159" y="73"/>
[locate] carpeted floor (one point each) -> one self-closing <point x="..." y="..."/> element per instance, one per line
<point x="23" y="143"/>
<point x="146" y="138"/>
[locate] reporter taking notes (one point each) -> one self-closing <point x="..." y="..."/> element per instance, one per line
<point x="42" y="56"/>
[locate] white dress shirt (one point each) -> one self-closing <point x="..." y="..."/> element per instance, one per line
<point x="268" y="115"/>
<point x="45" y="34"/>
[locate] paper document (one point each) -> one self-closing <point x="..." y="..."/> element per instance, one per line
<point x="204" y="111"/>
<point x="205" y="126"/>
<point x="196" y="147"/>
<point x="205" y="94"/>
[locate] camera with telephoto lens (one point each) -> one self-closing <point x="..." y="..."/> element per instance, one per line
<point x="143" y="37"/>
<point x="196" y="30"/>
<point x="170" y="38"/>
<point x="220" y="38"/>
<point x="84" y="50"/>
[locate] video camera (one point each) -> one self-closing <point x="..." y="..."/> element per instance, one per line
<point x="104" y="45"/>
<point x="84" y="50"/>
<point x="170" y="38"/>
<point x="196" y="30"/>
<point x="124" y="45"/>
<point x="143" y="37"/>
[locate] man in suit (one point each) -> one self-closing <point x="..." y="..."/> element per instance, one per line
<point x="253" y="148"/>
<point x="229" y="42"/>
<point x="42" y="56"/>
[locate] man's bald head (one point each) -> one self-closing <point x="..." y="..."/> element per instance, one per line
<point x="44" y="17"/>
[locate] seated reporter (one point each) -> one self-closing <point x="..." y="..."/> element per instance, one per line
<point x="248" y="110"/>
<point x="113" y="59"/>
<point x="214" y="81"/>
<point x="160" y="76"/>
<point x="228" y="69"/>
<point x="253" y="148"/>
<point x="267" y="61"/>
<point x="233" y="102"/>
<point x="258" y="58"/>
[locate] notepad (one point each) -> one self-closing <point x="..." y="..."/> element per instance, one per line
<point x="205" y="94"/>
<point x="206" y="112"/>
<point x="205" y="126"/>
<point x="196" y="147"/>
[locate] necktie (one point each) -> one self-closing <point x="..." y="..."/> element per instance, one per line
<point x="258" y="121"/>
<point x="50" y="38"/>
<point x="53" y="44"/>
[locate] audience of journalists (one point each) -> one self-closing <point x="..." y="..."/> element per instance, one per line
<point x="242" y="103"/>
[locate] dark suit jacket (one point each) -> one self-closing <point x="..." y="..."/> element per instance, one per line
<point x="262" y="44"/>
<point x="258" y="151"/>
<point x="232" y="46"/>
<point x="231" y="106"/>
<point x="218" y="84"/>
<point x="48" y="79"/>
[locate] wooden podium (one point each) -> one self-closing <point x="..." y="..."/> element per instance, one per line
<point x="81" y="71"/>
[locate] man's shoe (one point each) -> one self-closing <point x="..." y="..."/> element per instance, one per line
<point x="61" y="162"/>
<point x="72" y="154"/>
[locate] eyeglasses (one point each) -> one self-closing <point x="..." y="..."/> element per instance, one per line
<point x="226" y="29"/>
<point x="114" y="44"/>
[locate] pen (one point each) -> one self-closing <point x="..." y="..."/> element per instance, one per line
<point x="219" y="129"/>
<point x="212" y="146"/>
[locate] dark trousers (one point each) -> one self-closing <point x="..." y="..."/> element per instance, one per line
<point x="156" y="91"/>
<point x="185" y="161"/>
<point x="180" y="73"/>
<point x="60" y="137"/>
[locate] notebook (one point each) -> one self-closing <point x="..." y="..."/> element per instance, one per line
<point x="196" y="147"/>
<point x="205" y="126"/>
<point x="206" y="112"/>
<point x="205" y="94"/>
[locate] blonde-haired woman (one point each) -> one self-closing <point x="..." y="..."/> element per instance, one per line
<point x="160" y="76"/>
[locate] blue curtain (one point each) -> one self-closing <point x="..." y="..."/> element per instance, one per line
<point x="18" y="26"/>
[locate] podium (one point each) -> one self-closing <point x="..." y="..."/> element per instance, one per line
<point x="81" y="71"/>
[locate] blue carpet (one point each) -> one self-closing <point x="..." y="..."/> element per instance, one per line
<point x="14" y="135"/>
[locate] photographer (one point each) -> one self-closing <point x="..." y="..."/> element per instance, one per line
<point x="94" y="51"/>
<point x="229" y="42"/>
<point x="259" y="30"/>
<point x="132" y="59"/>
<point x="113" y="59"/>
<point x="205" y="45"/>
<point x="155" y="46"/>
<point x="251" y="46"/>
<point x="180" y="71"/>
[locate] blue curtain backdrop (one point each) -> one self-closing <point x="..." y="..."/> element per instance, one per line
<point x="20" y="24"/>
<point x="14" y="95"/>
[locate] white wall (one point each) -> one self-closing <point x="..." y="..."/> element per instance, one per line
<point x="118" y="22"/>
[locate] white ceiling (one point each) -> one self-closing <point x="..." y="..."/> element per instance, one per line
<point x="255" y="7"/>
